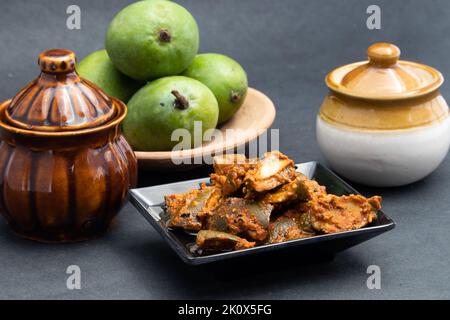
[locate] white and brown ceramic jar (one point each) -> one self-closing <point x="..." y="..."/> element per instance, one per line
<point x="384" y="122"/>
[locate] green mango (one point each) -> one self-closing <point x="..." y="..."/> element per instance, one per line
<point x="226" y="79"/>
<point x="98" y="68"/>
<point x="167" y="104"/>
<point x="152" y="39"/>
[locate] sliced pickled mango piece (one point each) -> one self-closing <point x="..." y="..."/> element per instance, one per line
<point x="187" y="210"/>
<point x="272" y="171"/>
<point x="221" y="241"/>
<point x="242" y="217"/>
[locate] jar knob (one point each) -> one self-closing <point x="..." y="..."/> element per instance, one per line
<point x="383" y="54"/>
<point x="57" y="61"/>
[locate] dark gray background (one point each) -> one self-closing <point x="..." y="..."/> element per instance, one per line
<point x="287" y="47"/>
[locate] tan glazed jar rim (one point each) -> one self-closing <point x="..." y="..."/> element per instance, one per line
<point x="402" y="80"/>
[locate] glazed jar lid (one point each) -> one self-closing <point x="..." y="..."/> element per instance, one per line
<point x="384" y="76"/>
<point x="59" y="100"/>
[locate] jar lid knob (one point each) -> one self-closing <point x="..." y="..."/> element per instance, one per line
<point x="383" y="54"/>
<point x="57" y="61"/>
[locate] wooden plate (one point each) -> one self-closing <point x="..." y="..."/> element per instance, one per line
<point x="254" y="117"/>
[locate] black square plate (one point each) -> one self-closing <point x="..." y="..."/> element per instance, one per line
<point x="149" y="202"/>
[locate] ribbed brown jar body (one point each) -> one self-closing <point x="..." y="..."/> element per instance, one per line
<point x="64" y="188"/>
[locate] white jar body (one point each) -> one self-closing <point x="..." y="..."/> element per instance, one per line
<point x="384" y="158"/>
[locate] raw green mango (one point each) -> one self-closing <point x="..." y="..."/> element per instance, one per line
<point x="98" y="68"/>
<point x="226" y="79"/>
<point x="167" y="104"/>
<point x="152" y="39"/>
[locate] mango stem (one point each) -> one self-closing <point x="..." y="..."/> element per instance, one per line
<point x="180" y="101"/>
<point x="164" y="35"/>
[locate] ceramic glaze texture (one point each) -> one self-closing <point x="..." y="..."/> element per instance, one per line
<point x="64" y="180"/>
<point x="384" y="122"/>
<point x="59" y="99"/>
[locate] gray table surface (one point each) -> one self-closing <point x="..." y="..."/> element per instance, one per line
<point x="287" y="47"/>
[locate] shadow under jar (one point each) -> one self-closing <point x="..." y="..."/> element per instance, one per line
<point x="65" y="168"/>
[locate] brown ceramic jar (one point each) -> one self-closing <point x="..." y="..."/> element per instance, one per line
<point x="65" y="168"/>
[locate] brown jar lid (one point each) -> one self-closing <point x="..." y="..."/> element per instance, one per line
<point x="59" y="100"/>
<point x="384" y="76"/>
